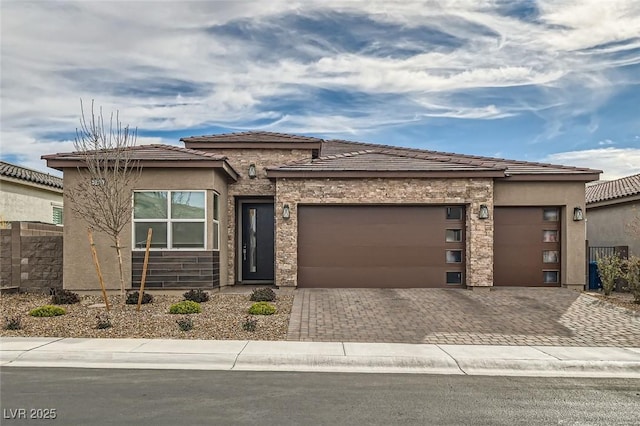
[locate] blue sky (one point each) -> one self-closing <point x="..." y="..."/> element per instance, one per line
<point x="553" y="81"/>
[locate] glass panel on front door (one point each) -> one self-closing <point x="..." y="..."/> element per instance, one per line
<point x="253" y="240"/>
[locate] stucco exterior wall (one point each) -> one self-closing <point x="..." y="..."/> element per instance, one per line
<point x="260" y="186"/>
<point x="79" y="269"/>
<point x="21" y="202"/>
<point x="608" y="226"/>
<point x="566" y="195"/>
<point x="470" y="192"/>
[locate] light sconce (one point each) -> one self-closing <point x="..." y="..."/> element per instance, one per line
<point x="286" y="211"/>
<point x="577" y="214"/>
<point x="252" y="171"/>
<point x="484" y="212"/>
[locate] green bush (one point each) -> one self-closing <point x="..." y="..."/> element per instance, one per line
<point x="185" y="307"/>
<point x="47" y="311"/>
<point x="132" y="298"/>
<point x="262" y="308"/>
<point x="196" y="296"/>
<point x="263" y="295"/>
<point x="609" y="269"/>
<point x="632" y="276"/>
<point x="249" y="324"/>
<point x="13" y="323"/>
<point x="185" y="323"/>
<point x="64" y="297"/>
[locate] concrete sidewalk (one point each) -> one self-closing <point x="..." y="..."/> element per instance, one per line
<point x="552" y="361"/>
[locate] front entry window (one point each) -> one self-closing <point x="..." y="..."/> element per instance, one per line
<point x="176" y="217"/>
<point x="253" y="240"/>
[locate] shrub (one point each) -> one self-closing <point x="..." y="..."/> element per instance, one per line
<point x="609" y="269"/>
<point x="132" y="298"/>
<point x="103" y="321"/>
<point x="185" y="307"/>
<point x="196" y="296"/>
<point x="263" y="295"/>
<point x="64" y="297"/>
<point x="249" y="324"/>
<point x="185" y="323"/>
<point x="47" y="311"/>
<point x="13" y="323"/>
<point x="632" y="276"/>
<point x="262" y="308"/>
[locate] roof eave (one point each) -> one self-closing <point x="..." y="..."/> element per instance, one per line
<point x="613" y="201"/>
<point x="549" y="177"/>
<point x="308" y="174"/>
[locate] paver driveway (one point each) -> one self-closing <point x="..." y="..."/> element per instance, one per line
<point x="503" y="316"/>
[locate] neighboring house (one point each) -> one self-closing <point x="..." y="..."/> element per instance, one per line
<point x="260" y="207"/>
<point x="612" y="207"/>
<point x="29" y="195"/>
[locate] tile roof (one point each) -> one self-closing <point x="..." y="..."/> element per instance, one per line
<point x="155" y="152"/>
<point x="384" y="161"/>
<point x="255" y="136"/>
<point x="511" y="167"/>
<point x="613" y="189"/>
<point x="28" y="175"/>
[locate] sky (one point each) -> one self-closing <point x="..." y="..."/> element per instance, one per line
<point x="544" y="81"/>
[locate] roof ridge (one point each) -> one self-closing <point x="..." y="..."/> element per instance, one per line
<point x="250" y="133"/>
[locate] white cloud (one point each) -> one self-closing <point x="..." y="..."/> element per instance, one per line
<point x="614" y="162"/>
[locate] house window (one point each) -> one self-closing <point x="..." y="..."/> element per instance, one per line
<point x="58" y="218"/>
<point x="216" y="221"/>
<point x="176" y="217"/>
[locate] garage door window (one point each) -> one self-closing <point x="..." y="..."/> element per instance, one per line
<point x="454" y="213"/>
<point x="453" y="235"/>
<point x="551" y="277"/>
<point x="454" y="277"/>
<point x="454" y="256"/>
<point x="551" y="215"/>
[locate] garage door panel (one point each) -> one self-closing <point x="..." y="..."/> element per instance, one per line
<point x="350" y="277"/>
<point x="376" y="246"/>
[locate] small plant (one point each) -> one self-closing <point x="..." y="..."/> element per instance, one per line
<point x="263" y="295"/>
<point x="132" y="298"/>
<point x="250" y="324"/>
<point x="609" y="269"/>
<point x="196" y="296"/>
<point x="185" y="323"/>
<point x="185" y="307"/>
<point x="262" y="308"/>
<point x="47" y="311"/>
<point x="632" y="276"/>
<point x="103" y="321"/>
<point x="61" y="296"/>
<point x="13" y="323"/>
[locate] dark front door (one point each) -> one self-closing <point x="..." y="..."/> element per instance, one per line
<point x="257" y="241"/>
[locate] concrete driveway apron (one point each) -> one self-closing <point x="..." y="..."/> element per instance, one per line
<point x="502" y="316"/>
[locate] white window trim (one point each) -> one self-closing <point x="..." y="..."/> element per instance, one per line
<point x="215" y="221"/>
<point x="168" y="221"/>
<point x="55" y="205"/>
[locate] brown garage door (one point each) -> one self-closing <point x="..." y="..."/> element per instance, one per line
<point x="380" y="246"/>
<point x="527" y="246"/>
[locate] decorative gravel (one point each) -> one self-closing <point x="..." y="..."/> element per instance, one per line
<point x="221" y="318"/>
<point x="624" y="300"/>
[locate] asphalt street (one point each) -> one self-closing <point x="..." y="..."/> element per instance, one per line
<point x="172" y="397"/>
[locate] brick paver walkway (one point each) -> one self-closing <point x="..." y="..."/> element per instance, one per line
<point x="503" y="316"/>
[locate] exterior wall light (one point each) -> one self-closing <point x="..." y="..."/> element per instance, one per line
<point x="484" y="212"/>
<point x="286" y="211"/>
<point x="252" y="171"/>
<point x="577" y="214"/>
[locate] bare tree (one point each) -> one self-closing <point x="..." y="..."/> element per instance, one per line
<point x="102" y="196"/>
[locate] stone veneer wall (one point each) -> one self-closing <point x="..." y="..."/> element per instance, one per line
<point x="260" y="186"/>
<point x="471" y="192"/>
<point x="31" y="257"/>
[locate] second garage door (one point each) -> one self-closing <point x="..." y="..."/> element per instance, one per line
<point x="381" y="246"/>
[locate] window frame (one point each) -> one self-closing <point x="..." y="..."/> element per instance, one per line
<point x="215" y="213"/>
<point x="169" y="221"/>
<point x="59" y="207"/>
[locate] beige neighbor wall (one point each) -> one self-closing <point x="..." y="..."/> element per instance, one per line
<point x="608" y="226"/>
<point x="79" y="270"/>
<point x="471" y="192"/>
<point x="23" y="202"/>
<point x="561" y="194"/>
<point x="260" y="186"/>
